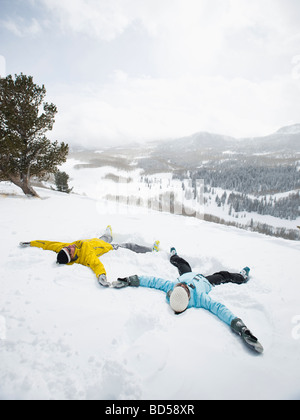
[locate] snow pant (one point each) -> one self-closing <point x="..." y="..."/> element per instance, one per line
<point x="215" y="279"/>
<point x="139" y="249"/>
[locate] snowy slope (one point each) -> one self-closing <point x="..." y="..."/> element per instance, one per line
<point x="64" y="337"/>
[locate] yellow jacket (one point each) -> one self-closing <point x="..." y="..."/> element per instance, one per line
<point x="87" y="252"/>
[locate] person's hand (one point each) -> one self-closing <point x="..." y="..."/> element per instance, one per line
<point x="24" y="244"/>
<point x="102" y="280"/>
<point x="132" y="281"/>
<point x="240" y="328"/>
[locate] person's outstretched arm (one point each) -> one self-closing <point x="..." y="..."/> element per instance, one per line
<point x="144" y="281"/>
<point x="217" y="308"/>
<point x="156" y="283"/>
<point x="236" y="324"/>
<point x="47" y="245"/>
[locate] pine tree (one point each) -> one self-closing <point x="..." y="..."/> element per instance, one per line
<point x="61" y="182"/>
<point x="25" y="150"/>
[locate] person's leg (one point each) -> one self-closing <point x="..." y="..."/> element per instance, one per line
<point x="225" y="277"/>
<point x="182" y="265"/>
<point x="139" y="249"/>
<point x="107" y="236"/>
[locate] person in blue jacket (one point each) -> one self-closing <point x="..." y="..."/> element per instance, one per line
<point x="192" y="291"/>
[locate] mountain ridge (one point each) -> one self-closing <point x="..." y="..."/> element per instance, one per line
<point x="191" y="151"/>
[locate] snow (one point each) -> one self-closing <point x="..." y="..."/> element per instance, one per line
<point x="96" y="183"/>
<point x="62" y="336"/>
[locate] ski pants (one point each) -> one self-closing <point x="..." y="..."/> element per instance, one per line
<point x="139" y="249"/>
<point x="215" y="279"/>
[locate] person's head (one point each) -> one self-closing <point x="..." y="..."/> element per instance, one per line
<point x="180" y="297"/>
<point x="66" y="255"/>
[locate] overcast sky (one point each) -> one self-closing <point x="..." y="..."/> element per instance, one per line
<point x="127" y="70"/>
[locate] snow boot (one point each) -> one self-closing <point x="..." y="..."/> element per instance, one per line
<point x="108" y="231"/>
<point x="173" y="252"/>
<point x="245" y="273"/>
<point x="107" y="236"/>
<point x="156" y="246"/>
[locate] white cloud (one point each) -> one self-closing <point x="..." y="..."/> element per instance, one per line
<point x="100" y="19"/>
<point x="235" y="38"/>
<point x="21" y="27"/>
<point x="143" y="109"/>
<point x="229" y="37"/>
<point x="228" y="66"/>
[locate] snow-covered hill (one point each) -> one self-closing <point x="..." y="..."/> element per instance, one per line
<point x="290" y="129"/>
<point x="62" y="336"/>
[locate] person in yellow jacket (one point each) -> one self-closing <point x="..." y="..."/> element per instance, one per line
<point x="88" y="251"/>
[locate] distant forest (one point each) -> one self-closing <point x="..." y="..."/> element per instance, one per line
<point x="284" y="208"/>
<point x="251" y="179"/>
<point x="255" y="180"/>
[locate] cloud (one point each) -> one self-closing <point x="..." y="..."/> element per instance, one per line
<point x="229" y="37"/>
<point x="235" y="38"/>
<point x="142" y="109"/>
<point x="107" y="20"/>
<point x="104" y="20"/>
<point x="123" y="70"/>
<point x="21" y="27"/>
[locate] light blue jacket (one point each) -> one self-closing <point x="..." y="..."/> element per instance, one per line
<point x="199" y="287"/>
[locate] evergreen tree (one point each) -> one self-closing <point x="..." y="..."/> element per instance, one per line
<point x="25" y="150"/>
<point x="61" y="182"/>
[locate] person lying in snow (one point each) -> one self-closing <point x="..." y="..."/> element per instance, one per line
<point x="192" y="291"/>
<point x="88" y="251"/>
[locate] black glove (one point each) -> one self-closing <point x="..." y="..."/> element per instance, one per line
<point x="240" y="328"/>
<point x="132" y="281"/>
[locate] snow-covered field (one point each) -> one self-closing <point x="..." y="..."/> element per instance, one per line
<point x="62" y="336"/>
